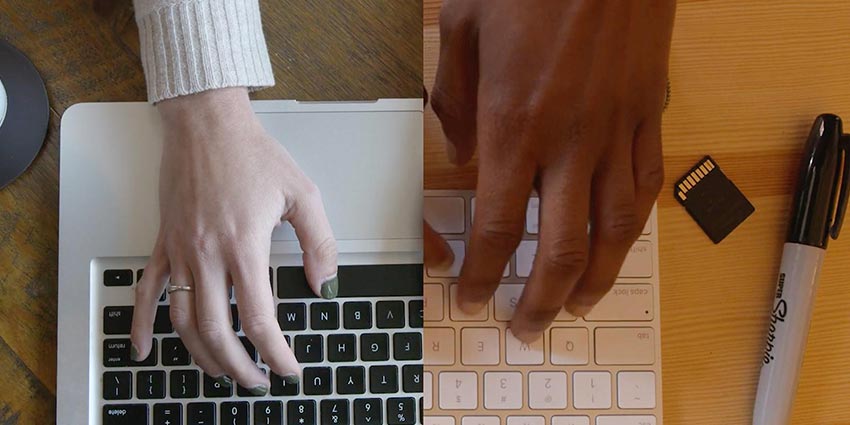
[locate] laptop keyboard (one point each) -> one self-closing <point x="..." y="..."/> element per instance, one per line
<point x="603" y="369"/>
<point x="361" y="355"/>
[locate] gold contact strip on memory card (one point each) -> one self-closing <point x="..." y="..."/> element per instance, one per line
<point x="690" y="181"/>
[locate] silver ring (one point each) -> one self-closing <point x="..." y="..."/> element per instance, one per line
<point x="175" y="288"/>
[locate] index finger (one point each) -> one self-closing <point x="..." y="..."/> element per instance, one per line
<point x="500" y="204"/>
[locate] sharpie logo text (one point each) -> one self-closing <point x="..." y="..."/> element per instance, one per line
<point x="777" y="316"/>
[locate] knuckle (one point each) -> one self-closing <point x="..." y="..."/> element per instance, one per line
<point x="622" y="226"/>
<point x="257" y="324"/>
<point x="180" y="318"/>
<point x="500" y="235"/>
<point x="211" y="331"/>
<point x="650" y="179"/>
<point x="566" y="253"/>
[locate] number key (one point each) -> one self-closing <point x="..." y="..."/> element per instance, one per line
<point x="401" y="411"/>
<point x="268" y="413"/>
<point x="234" y="413"/>
<point x="367" y="411"/>
<point x="334" y="412"/>
<point x="301" y="412"/>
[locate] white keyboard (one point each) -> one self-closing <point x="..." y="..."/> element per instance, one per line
<point x="603" y="369"/>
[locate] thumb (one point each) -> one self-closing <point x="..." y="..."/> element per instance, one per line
<point x="307" y="216"/>
<point x="438" y="254"/>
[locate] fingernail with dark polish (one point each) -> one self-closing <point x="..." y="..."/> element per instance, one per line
<point x="224" y="381"/>
<point x="291" y="379"/>
<point x="330" y="288"/>
<point x="134" y="353"/>
<point x="259" y="390"/>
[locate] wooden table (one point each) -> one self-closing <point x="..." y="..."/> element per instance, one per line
<point x="356" y="49"/>
<point x="748" y="79"/>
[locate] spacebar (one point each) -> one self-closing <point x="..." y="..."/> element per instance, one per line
<point x="400" y="280"/>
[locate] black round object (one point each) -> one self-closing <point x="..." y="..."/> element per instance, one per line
<point x="24" y="126"/>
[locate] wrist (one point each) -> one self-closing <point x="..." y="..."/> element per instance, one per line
<point x="207" y="109"/>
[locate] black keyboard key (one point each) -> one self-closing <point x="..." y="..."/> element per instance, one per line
<point x="122" y="277"/>
<point x="334" y="412"/>
<point x="292" y="316"/>
<point x="281" y="387"/>
<point x="234" y="413"/>
<point x="324" y="316"/>
<point x="200" y="414"/>
<point x="183" y="383"/>
<point x="268" y="413"/>
<point x="308" y="348"/>
<point x="167" y="414"/>
<point x="317" y="380"/>
<point x="389" y="314"/>
<point x="411" y="378"/>
<point x="125" y="414"/>
<point x="357" y="315"/>
<point x="162" y="322"/>
<point x="234" y="317"/>
<point x="249" y="347"/>
<point x="383" y="379"/>
<point x="374" y="347"/>
<point x="117" y="385"/>
<point x="407" y="346"/>
<point x="350" y="380"/>
<point x="415" y="313"/>
<point x="380" y="280"/>
<point x="150" y="384"/>
<point x="292" y="283"/>
<point x="342" y="348"/>
<point x="214" y="389"/>
<point x="174" y="353"/>
<point x="116" y="353"/>
<point x="301" y="412"/>
<point x="367" y="411"/>
<point x="117" y="320"/>
<point x="401" y="411"/>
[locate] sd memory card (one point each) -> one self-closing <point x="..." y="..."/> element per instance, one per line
<point x="712" y="199"/>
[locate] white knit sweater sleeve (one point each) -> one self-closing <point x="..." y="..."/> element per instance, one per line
<point x="189" y="46"/>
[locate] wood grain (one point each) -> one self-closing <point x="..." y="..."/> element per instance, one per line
<point x="356" y="49"/>
<point x="748" y="79"/>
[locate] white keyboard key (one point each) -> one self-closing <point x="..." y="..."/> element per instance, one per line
<point x="526" y="420"/>
<point x="525" y="257"/>
<point x="439" y="346"/>
<point x="502" y="390"/>
<point x="459" y="250"/>
<point x="479" y="346"/>
<point x="428" y="390"/>
<point x="520" y="353"/>
<point x="480" y="420"/>
<point x="592" y="390"/>
<point x="458" y="390"/>
<point x="570" y="420"/>
<point x="506" y="297"/>
<point x="636" y="390"/>
<point x="458" y="315"/>
<point x="568" y="346"/>
<point x="445" y="215"/>
<point x="638" y="262"/>
<point x="532" y="213"/>
<point x="625" y="420"/>
<point x="439" y="420"/>
<point x="624" y="303"/>
<point x="625" y="346"/>
<point x="547" y="390"/>
<point x="433" y="300"/>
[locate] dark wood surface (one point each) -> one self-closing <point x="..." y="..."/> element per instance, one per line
<point x="321" y="50"/>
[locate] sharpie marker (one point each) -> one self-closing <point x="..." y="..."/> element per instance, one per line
<point x="817" y="217"/>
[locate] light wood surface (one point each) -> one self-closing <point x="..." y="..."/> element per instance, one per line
<point x="748" y="78"/>
<point x="346" y="50"/>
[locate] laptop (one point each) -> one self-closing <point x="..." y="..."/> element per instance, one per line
<point x="361" y="353"/>
<point x="601" y="369"/>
